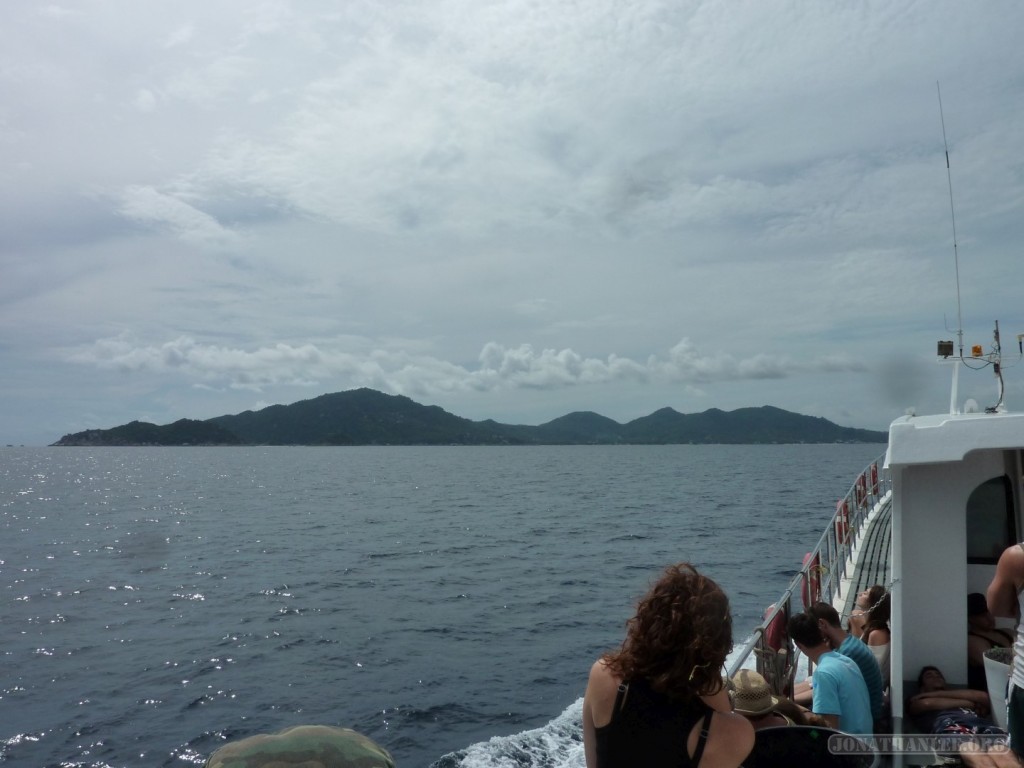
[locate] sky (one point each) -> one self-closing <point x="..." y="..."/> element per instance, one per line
<point x="511" y="209"/>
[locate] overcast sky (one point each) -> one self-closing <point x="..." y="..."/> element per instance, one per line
<point x="513" y="210"/>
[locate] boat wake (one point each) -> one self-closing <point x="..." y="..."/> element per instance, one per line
<point x="558" y="744"/>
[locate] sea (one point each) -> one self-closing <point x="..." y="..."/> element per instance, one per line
<point x="445" y="601"/>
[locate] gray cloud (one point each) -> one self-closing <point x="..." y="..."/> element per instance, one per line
<point x="145" y="204"/>
<point x="499" y="368"/>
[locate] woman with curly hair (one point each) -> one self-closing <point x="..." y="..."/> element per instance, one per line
<point x="659" y="701"/>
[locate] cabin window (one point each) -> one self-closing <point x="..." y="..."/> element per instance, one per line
<point x="990" y="526"/>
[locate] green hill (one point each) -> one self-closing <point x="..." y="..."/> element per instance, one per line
<point x="744" y="425"/>
<point x="368" y="417"/>
<point x="356" y="417"/>
<point x="181" y="432"/>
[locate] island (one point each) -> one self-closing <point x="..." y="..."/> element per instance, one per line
<point x="368" y="417"/>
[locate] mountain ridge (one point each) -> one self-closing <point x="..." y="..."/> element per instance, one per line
<point x="368" y="417"/>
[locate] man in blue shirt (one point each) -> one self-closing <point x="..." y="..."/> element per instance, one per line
<point x="853" y="648"/>
<point x="840" y="693"/>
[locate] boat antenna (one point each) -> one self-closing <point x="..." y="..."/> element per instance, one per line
<point x="997" y="365"/>
<point x="952" y="215"/>
<point x="995" y="357"/>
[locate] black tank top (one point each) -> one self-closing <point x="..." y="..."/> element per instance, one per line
<point x="651" y="730"/>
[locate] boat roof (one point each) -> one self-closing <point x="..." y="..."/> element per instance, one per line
<point x="951" y="436"/>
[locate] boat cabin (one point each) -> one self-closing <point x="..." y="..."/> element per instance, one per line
<point x="957" y="483"/>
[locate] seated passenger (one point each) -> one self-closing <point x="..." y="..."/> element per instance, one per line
<point x="854" y="648"/>
<point x="982" y="635"/>
<point x="840" y="693"/>
<point x="659" y="701"/>
<point x="877" y="636"/>
<point x="752" y="698"/>
<point x="938" y="709"/>
<point x="864" y="601"/>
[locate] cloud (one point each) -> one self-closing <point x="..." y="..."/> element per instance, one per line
<point x="500" y="367"/>
<point x="145" y="101"/>
<point x="180" y="36"/>
<point x="150" y="206"/>
<point x="685" y="363"/>
<point x="57" y="11"/>
<point x="215" y="81"/>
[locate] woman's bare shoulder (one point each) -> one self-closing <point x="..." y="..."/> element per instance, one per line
<point x="602" y="679"/>
<point x="599" y="700"/>
<point x="730" y="740"/>
<point x="878" y="637"/>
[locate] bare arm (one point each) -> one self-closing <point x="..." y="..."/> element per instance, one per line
<point x="857" y="621"/>
<point x="589" y="737"/>
<point x="730" y="739"/>
<point x="936" y="701"/>
<point x="803" y="694"/>
<point x="1007" y="583"/>
<point x="975" y="697"/>
<point x="977" y="756"/>
<point x="598" y="702"/>
<point x="976" y="647"/>
<point x="832" y="720"/>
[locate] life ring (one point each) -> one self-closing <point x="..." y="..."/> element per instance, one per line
<point x="843" y="521"/>
<point x="874" y="478"/>
<point x="811" y="591"/>
<point x="861" y="490"/>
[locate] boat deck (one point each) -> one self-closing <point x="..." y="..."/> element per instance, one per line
<point x="872" y="556"/>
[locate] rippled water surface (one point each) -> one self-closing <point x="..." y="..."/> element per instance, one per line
<point x="447" y="602"/>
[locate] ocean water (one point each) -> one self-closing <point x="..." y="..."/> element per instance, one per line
<point x="445" y="601"/>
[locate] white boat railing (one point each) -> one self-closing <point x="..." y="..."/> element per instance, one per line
<point x="820" y="578"/>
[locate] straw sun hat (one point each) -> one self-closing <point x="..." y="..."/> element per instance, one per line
<point x="751" y="695"/>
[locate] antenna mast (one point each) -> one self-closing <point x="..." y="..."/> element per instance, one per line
<point x="956" y="263"/>
<point x="952" y="216"/>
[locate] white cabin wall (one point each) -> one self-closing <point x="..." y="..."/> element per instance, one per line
<point x="930" y="607"/>
<point x="933" y="571"/>
<point x="932" y="574"/>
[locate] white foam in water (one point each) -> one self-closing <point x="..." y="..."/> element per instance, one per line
<point x="559" y="744"/>
<point x="748" y="663"/>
